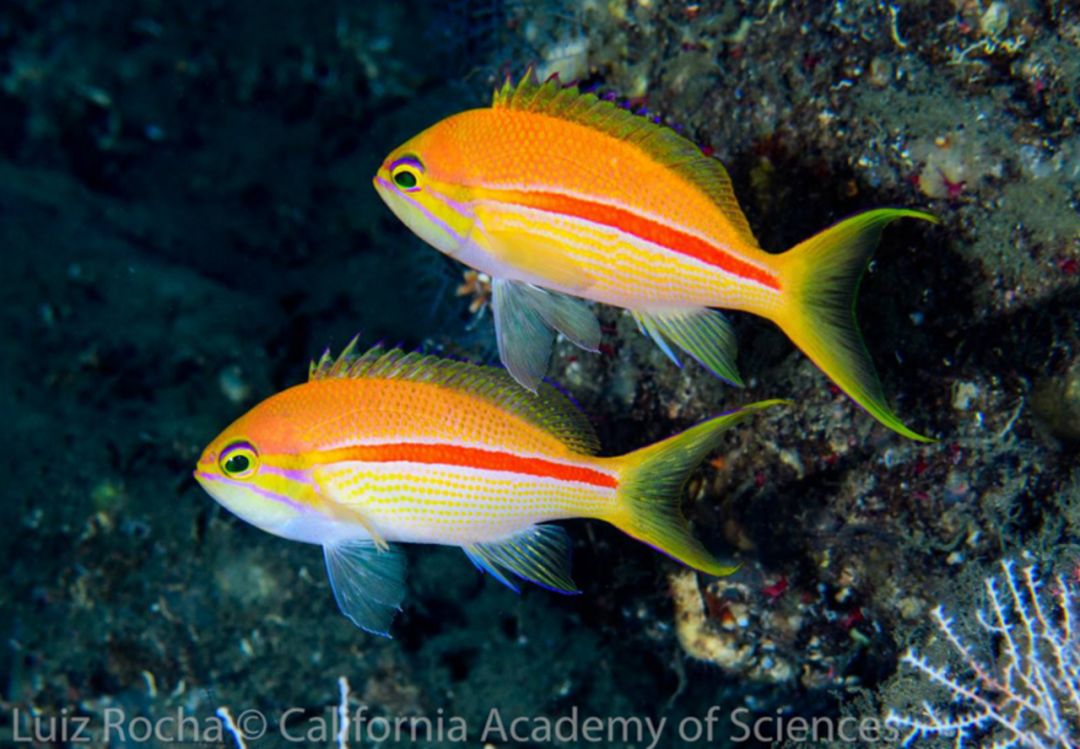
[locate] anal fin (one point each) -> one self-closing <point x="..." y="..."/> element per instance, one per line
<point x="705" y="334"/>
<point x="526" y="318"/>
<point x="368" y="582"/>
<point x="540" y="554"/>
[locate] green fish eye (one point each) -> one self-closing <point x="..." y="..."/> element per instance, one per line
<point x="238" y="460"/>
<point x="406" y="171"/>
<point x="237" y="464"/>
<point x="405" y="179"/>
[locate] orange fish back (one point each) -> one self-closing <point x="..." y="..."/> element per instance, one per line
<point x="508" y="149"/>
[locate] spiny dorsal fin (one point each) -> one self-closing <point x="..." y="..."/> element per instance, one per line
<point x="660" y="142"/>
<point x="548" y="409"/>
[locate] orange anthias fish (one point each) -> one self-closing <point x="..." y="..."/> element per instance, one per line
<point x="393" y="447"/>
<point x="561" y="197"/>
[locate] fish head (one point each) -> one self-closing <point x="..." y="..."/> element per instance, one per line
<point x="253" y="469"/>
<point x="420" y="182"/>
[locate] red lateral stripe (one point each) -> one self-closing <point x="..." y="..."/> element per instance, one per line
<point x="470" y="457"/>
<point x="643" y="228"/>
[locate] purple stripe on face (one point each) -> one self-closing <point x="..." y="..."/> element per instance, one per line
<point x="265" y="493"/>
<point x="453" y="205"/>
<point x="440" y="223"/>
<point x="236" y="446"/>
<point x="407" y="159"/>
<point x="427" y="214"/>
<point x="293" y="474"/>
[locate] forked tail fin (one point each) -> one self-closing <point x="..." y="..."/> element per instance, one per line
<point x="821" y="277"/>
<point x="651" y="485"/>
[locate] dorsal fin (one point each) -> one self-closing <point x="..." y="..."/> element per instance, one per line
<point x="660" y="142"/>
<point x="548" y="409"/>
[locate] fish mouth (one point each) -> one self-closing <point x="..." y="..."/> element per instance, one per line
<point x="381" y="184"/>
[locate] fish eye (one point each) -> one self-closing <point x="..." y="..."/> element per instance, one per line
<point x="238" y="460"/>
<point x="406" y="172"/>
<point x="405" y="179"/>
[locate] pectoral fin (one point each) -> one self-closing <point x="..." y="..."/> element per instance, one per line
<point x="540" y="554"/>
<point x="368" y="583"/>
<point x="703" y="333"/>
<point x="526" y="318"/>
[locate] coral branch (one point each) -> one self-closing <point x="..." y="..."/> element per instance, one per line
<point x="1029" y="696"/>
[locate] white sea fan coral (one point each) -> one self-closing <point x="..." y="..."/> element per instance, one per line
<point x="1029" y="696"/>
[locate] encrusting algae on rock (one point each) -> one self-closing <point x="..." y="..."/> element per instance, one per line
<point x="698" y="639"/>
<point x="716" y="627"/>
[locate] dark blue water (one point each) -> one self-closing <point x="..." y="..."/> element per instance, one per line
<point x="187" y="219"/>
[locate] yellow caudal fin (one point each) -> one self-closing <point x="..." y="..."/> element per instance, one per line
<point x="821" y="278"/>
<point x="651" y="485"/>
